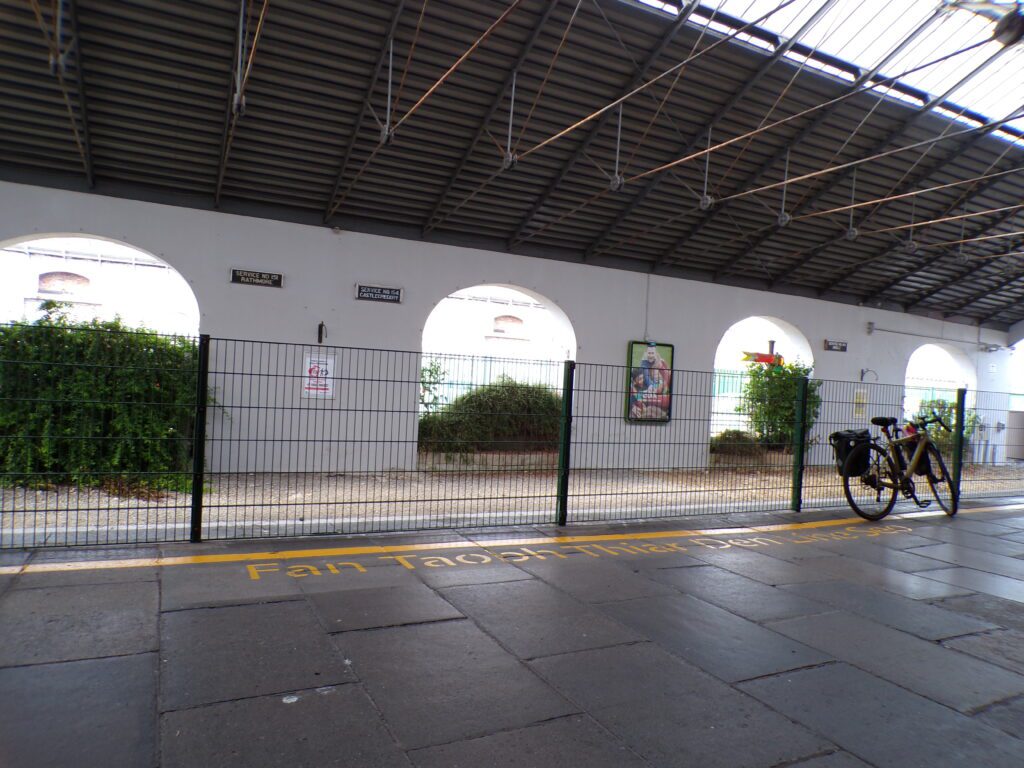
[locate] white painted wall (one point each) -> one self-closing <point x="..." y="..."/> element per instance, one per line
<point x="606" y="307"/>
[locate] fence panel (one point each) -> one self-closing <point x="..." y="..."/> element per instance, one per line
<point x="627" y="465"/>
<point x="305" y="439"/>
<point x="990" y="433"/>
<point x="96" y="431"/>
<point x="843" y="405"/>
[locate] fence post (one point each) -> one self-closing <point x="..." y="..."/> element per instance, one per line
<point x="958" y="438"/>
<point x="565" y="442"/>
<point x="799" y="444"/>
<point x="199" y="439"/>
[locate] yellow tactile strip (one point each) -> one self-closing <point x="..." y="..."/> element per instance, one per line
<point x="307" y="554"/>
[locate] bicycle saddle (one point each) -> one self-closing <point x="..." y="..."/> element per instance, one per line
<point x="883" y="421"/>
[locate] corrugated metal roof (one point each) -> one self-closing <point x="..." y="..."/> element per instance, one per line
<point x="149" y="89"/>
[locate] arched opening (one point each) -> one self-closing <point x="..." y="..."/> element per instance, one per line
<point x="479" y="334"/>
<point x="1016" y="376"/>
<point x="491" y="380"/>
<point x="934" y="373"/>
<point x="94" y="278"/>
<point x="752" y="335"/>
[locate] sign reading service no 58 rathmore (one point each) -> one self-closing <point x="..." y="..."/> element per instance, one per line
<point x="252" y="277"/>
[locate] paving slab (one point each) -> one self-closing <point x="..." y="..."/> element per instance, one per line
<point x="957" y="535"/>
<point x="332" y="725"/>
<point x="897" y="582"/>
<point x="1004" y="648"/>
<point x="1005" y="613"/>
<point x="757" y="566"/>
<point x="347" y="577"/>
<point x="927" y="621"/>
<point x="1000" y="528"/>
<point x="1005" y="587"/>
<point x="905" y="540"/>
<point x="910" y="561"/>
<point x="460" y="574"/>
<point x="447" y="681"/>
<point x="883" y="724"/>
<point x="568" y="741"/>
<point x="14" y="557"/>
<point x="1007" y="716"/>
<point x="948" y="677"/>
<point x="835" y="760"/>
<point x="199" y="586"/>
<point x="220" y="654"/>
<point x="672" y="713"/>
<point x="97" y="712"/>
<point x="384" y="607"/>
<point x="976" y="559"/>
<point x="727" y="646"/>
<point x="595" y="581"/>
<point x="532" y="619"/>
<point x="738" y="594"/>
<point x="82" y="622"/>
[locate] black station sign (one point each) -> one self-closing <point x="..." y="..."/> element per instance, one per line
<point x="835" y="346"/>
<point x="251" y="277"/>
<point x="379" y="293"/>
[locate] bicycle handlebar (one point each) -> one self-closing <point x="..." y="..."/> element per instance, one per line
<point x="935" y="419"/>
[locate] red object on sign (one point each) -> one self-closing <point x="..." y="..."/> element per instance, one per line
<point x="762" y="357"/>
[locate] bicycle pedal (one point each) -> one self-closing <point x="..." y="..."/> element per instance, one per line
<point x="924" y="504"/>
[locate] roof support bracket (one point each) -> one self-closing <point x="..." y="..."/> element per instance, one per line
<point x="618" y="182"/>
<point x="510" y="158"/>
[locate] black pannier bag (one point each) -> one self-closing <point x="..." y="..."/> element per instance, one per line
<point x="843" y="444"/>
<point x="925" y="465"/>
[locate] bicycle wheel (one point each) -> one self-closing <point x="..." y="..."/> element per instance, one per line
<point x="869" y="481"/>
<point x="941" y="482"/>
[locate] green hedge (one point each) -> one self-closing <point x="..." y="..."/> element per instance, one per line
<point x="97" y="405"/>
<point x="504" y="416"/>
<point x="770" y="398"/>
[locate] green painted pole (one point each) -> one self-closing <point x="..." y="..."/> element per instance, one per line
<point x="958" y="438"/>
<point x="565" y="442"/>
<point x="799" y="444"/>
<point x="199" y="439"/>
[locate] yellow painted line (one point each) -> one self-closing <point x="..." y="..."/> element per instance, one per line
<point x="297" y="554"/>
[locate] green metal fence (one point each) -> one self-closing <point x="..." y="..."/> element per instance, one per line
<point x="272" y="439"/>
<point x="97" y="428"/>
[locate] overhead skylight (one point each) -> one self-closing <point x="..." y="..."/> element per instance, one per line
<point x="901" y="37"/>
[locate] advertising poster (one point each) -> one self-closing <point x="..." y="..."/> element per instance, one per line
<point x="649" y="390"/>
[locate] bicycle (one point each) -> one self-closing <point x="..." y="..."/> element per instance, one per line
<point x="874" y="471"/>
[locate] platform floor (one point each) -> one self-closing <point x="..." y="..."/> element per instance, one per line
<point x="744" y="641"/>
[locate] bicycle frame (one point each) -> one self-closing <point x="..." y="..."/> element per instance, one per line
<point x="923" y="440"/>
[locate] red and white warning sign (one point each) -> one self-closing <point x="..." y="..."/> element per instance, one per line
<point x="318" y="376"/>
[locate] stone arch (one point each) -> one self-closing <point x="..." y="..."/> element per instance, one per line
<point x="482" y="332"/>
<point x="480" y="319"/>
<point x="935" y="371"/>
<point x="113" y="278"/>
<point x="751" y="334"/>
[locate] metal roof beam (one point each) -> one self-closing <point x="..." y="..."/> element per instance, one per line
<point x="955" y="309"/>
<point x="75" y="104"/>
<point x="600" y="123"/>
<point x="961" y="274"/>
<point x="833" y="181"/>
<point x="433" y="219"/>
<point x="382" y="58"/>
<point x="242" y="63"/>
<point x="700" y="135"/>
<point x="83" y="108"/>
<point x="882" y="253"/>
<point x="1008" y="305"/>
<point x="807" y="131"/>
